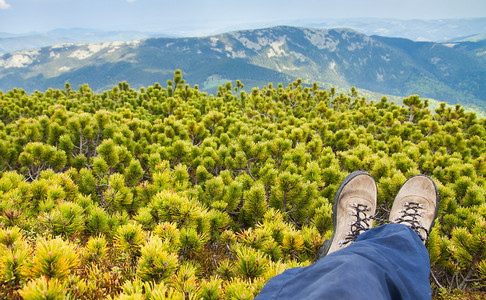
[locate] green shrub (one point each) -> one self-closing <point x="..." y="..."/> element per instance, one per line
<point x="171" y="193"/>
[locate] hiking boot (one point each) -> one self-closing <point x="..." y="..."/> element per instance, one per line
<point x="416" y="205"/>
<point x="354" y="206"/>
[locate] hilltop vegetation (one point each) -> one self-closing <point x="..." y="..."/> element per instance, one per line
<point x="168" y="193"/>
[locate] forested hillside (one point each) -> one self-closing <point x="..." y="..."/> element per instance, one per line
<point x="168" y="193"/>
<point x="336" y="57"/>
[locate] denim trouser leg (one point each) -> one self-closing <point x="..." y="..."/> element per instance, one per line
<point x="385" y="262"/>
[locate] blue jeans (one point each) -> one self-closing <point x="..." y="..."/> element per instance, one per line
<point x="385" y="262"/>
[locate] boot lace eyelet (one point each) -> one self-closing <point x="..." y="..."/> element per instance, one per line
<point x="360" y="225"/>
<point x="411" y="216"/>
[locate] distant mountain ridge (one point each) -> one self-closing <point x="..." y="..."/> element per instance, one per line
<point x="439" y="30"/>
<point x="17" y="42"/>
<point x="340" y="57"/>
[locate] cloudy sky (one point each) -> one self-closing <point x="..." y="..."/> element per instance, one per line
<point x="21" y="16"/>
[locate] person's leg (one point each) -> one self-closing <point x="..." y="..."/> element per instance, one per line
<point x="386" y="262"/>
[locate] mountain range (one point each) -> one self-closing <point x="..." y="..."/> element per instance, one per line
<point x="440" y="30"/>
<point x="454" y="72"/>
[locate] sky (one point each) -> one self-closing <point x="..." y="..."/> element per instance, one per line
<point x="23" y="16"/>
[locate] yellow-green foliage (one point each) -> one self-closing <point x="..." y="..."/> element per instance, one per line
<point x="54" y="258"/>
<point x="45" y="289"/>
<point x="65" y="219"/>
<point x="170" y="193"/>
<point x="156" y="263"/>
<point x="96" y="249"/>
<point x="14" y="255"/>
<point x="251" y="263"/>
<point x="211" y="289"/>
<point x="129" y="239"/>
<point x="240" y="289"/>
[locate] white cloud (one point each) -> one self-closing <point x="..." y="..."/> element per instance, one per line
<point x="4" y="5"/>
<point x="129" y="1"/>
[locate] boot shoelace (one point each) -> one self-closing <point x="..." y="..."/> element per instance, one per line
<point x="410" y="215"/>
<point x="360" y="225"/>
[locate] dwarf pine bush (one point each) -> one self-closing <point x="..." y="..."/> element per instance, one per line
<point x="14" y="256"/>
<point x="54" y="258"/>
<point x="96" y="249"/>
<point x="156" y="262"/>
<point x="211" y="289"/>
<point x="97" y="221"/>
<point x="167" y="192"/>
<point x="251" y="263"/>
<point x="129" y="239"/>
<point x="240" y="289"/>
<point x="66" y="219"/>
<point x="185" y="280"/>
<point x="9" y="237"/>
<point x="44" y="288"/>
<point x="137" y="289"/>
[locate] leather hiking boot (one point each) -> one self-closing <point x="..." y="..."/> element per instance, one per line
<point x="416" y="205"/>
<point x="353" y="207"/>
